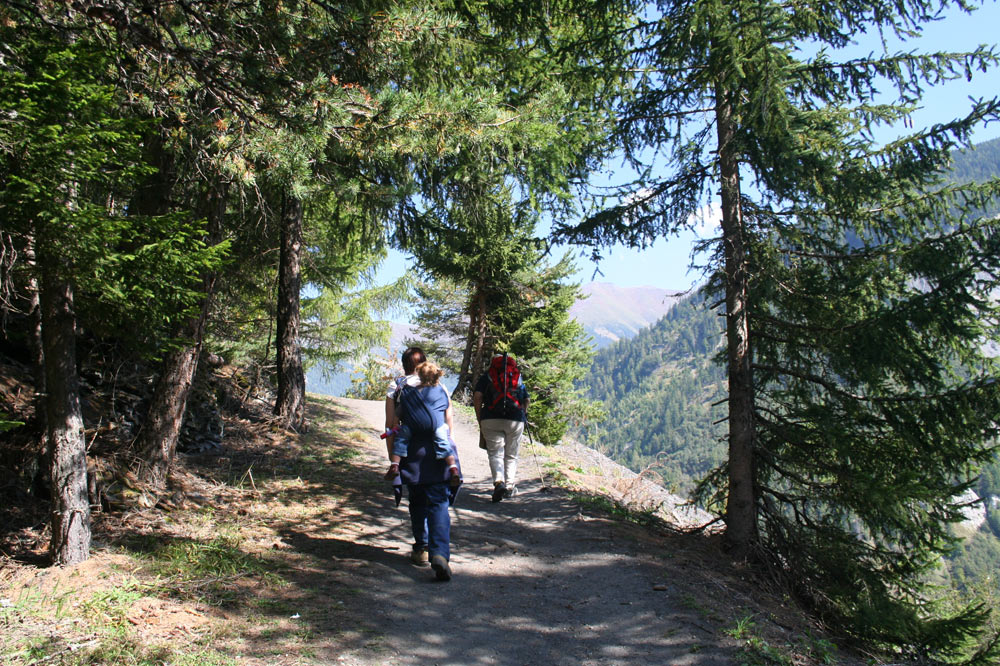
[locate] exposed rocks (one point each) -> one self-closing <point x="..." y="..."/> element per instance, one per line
<point x="974" y="510"/>
<point x="633" y="490"/>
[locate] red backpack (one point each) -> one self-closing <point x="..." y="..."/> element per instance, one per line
<point x="505" y="378"/>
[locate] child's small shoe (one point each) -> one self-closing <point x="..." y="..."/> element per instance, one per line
<point x="454" y="479"/>
<point x="392" y="472"/>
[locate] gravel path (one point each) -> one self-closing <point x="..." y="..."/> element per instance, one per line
<point x="535" y="581"/>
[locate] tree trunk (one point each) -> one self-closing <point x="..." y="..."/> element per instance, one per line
<point x="478" y="364"/>
<point x="290" y="403"/>
<point x="40" y="485"/>
<point x="157" y="441"/>
<point x="154" y="196"/>
<point x="466" y="382"/>
<point x="65" y="440"/>
<point x="35" y="317"/>
<point x="741" y="519"/>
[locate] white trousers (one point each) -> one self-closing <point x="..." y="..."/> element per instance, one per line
<point x="503" y="441"/>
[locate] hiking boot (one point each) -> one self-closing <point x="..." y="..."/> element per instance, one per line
<point x="510" y="492"/>
<point x="441" y="569"/>
<point x="498" y="490"/>
<point x="419" y="556"/>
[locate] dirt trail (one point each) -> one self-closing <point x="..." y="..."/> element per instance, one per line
<point x="537" y="580"/>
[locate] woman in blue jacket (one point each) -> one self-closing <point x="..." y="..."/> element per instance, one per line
<point x="432" y="480"/>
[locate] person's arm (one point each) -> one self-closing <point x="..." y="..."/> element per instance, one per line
<point x="390" y="423"/>
<point x="449" y="419"/>
<point x="477" y="404"/>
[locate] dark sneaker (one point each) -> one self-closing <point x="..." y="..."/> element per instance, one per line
<point x="498" y="490"/>
<point x="441" y="569"/>
<point x="419" y="556"/>
<point x="510" y="492"/>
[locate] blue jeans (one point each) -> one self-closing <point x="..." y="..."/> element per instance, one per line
<point x="430" y="518"/>
<point x="442" y="441"/>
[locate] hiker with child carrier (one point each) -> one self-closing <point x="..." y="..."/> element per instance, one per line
<point x="501" y="403"/>
<point x="422" y="455"/>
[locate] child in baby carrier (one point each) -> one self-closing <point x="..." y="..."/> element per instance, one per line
<point x="422" y="408"/>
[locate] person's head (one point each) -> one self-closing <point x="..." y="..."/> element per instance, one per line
<point x="429" y="373"/>
<point x="413" y="357"/>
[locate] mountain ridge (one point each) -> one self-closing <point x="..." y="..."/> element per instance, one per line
<point x="608" y="313"/>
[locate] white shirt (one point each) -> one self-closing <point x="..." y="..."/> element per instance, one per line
<point x="395" y="384"/>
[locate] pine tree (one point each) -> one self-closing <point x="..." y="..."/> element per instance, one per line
<point x="512" y="301"/>
<point x="855" y="288"/>
<point x="68" y="154"/>
<point x="442" y="320"/>
<point x="482" y="243"/>
<point x="553" y="350"/>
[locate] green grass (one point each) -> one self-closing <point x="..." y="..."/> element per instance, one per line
<point x="468" y="411"/>
<point x="111" y="607"/>
<point x="133" y="652"/>
<point x="743" y="628"/>
<point x="202" y="570"/>
<point x="756" y="651"/>
<point x="555" y="475"/>
<point x="219" y="557"/>
<point x="94" y="633"/>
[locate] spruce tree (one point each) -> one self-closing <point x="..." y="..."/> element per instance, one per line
<point x="512" y="301"/>
<point x="68" y="154"/>
<point x="855" y="285"/>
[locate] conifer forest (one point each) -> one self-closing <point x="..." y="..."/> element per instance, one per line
<point x="191" y="187"/>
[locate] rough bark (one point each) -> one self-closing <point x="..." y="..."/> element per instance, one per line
<point x="741" y="524"/>
<point x="465" y="378"/>
<point x="290" y="403"/>
<point x="157" y="441"/>
<point x="40" y="483"/>
<point x="478" y="364"/>
<point x="65" y="440"/>
<point x="35" y="317"/>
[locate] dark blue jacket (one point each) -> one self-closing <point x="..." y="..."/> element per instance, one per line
<point x="420" y="467"/>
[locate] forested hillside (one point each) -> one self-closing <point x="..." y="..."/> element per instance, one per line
<point x="977" y="558"/>
<point x="979" y="163"/>
<point x="658" y="389"/>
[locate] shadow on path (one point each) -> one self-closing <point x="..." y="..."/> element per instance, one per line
<point x="536" y="581"/>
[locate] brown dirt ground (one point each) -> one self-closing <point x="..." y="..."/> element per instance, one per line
<point x="288" y="550"/>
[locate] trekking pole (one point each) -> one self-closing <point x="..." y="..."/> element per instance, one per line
<point x="541" y="475"/>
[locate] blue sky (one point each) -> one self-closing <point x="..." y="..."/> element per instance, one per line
<point x="665" y="264"/>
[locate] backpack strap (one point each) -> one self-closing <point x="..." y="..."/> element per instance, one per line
<point x="506" y="379"/>
<point x="501" y="392"/>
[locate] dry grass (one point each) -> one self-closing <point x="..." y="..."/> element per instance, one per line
<point x="206" y="574"/>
